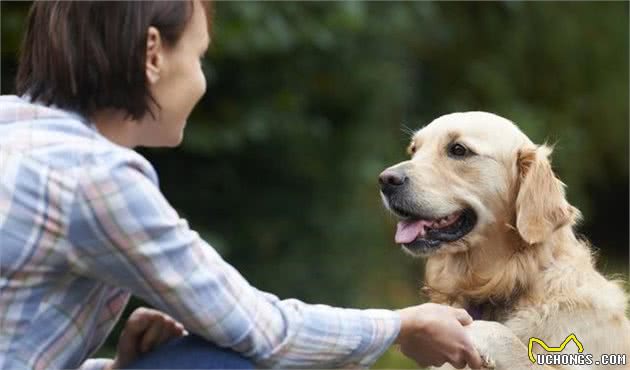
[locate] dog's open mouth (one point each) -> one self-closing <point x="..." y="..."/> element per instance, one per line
<point x="415" y="232"/>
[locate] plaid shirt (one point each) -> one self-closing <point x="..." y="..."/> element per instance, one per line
<point x="83" y="224"/>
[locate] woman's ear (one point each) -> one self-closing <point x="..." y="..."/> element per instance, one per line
<point x="541" y="206"/>
<point x="154" y="57"/>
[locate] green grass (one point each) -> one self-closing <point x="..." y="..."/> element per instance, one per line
<point x="393" y="359"/>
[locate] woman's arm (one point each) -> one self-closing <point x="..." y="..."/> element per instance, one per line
<point x="124" y="232"/>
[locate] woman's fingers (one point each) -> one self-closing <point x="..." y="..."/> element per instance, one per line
<point x="151" y="336"/>
<point x="172" y="329"/>
<point x="128" y="344"/>
<point x="162" y="328"/>
<point x="145" y="329"/>
<point x="463" y="316"/>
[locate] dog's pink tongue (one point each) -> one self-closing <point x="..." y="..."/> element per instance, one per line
<point x="409" y="230"/>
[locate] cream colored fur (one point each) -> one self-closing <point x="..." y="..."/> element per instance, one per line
<point x="522" y="258"/>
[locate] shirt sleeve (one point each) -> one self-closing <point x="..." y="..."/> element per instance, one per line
<point x="124" y="232"/>
<point x="96" y="364"/>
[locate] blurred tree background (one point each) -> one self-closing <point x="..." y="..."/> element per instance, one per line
<point x="307" y="103"/>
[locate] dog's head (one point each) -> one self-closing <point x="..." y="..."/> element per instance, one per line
<point x="473" y="177"/>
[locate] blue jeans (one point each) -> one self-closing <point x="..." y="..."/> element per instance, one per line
<point x="191" y="352"/>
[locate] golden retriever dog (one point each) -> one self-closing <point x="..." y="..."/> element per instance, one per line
<point x="479" y="200"/>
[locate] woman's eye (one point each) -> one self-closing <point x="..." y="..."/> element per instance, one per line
<point x="458" y="150"/>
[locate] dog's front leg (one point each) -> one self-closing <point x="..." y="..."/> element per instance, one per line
<point x="499" y="347"/>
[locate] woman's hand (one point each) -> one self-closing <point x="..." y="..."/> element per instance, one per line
<point x="432" y="334"/>
<point x="145" y="329"/>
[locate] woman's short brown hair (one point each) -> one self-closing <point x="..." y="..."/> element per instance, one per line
<point x="89" y="55"/>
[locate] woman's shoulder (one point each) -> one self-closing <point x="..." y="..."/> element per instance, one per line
<point x="62" y="141"/>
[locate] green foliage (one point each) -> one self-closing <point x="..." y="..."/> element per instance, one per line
<point x="307" y="103"/>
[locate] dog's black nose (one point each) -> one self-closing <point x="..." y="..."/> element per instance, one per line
<point x="391" y="180"/>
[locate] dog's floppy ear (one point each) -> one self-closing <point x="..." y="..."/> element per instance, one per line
<point x="541" y="206"/>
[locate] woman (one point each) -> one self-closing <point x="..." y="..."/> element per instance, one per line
<point x="83" y="223"/>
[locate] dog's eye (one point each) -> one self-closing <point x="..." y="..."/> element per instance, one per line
<point x="411" y="149"/>
<point x="458" y="150"/>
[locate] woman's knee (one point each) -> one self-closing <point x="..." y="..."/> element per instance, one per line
<point x="191" y="352"/>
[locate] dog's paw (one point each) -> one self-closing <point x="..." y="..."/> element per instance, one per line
<point x="498" y="346"/>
